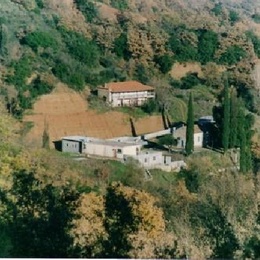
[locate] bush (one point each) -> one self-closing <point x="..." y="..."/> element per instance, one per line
<point x="190" y="80"/>
<point x="121" y="5"/>
<point x="22" y="70"/>
<point x="256" y="18"/>
<point x="217" y="10"/>
<point x="39" y="39"/>
<point x="121" y="47"/>
<point x="207" y="46"/>
<point x="39" y="87"/>
<point x="165" y="63"/>
<point x="183" y="50"/>
<point x="233" y="17"/>
<point x="150" y="106"/>
<point x="255" y="40"/>
<point x="67" y="74"/>
<point x="82" y="49"/>
<point x="232" y="55"/>
<point x="88" y="9"/>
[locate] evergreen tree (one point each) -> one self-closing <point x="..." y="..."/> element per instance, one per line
<point x="226" y="118"/>
<point x="245" y="134"/>
<point x="234" y="109"/>
<point x="189" y="147"/>
<point x="45" y="137"/>
<point x="242" y="140"/>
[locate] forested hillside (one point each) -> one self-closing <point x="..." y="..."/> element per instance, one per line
<point x="54" y="206"/>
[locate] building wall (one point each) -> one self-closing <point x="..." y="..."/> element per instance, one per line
<point x="157" y="134"/>
<point x="198" y="139"/>
<point x="104" y="94"/>
<point x="109" y="150"/>
<point x="130" y="98"/>
<point x="150" y="160"/>
<point x="71" y="146"/>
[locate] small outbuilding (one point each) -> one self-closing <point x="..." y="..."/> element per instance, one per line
<point x="180" y="135"/>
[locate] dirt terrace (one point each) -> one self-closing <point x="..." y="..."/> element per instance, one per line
<point x="65" y="112"/>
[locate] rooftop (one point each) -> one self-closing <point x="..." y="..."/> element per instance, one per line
<point x="127" y="86"/>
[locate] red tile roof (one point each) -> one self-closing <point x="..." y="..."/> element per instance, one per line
<point x="127" y="86"/>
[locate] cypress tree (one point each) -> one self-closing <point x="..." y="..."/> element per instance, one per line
<point x="234" y="109"/>
<point x="189" y="147"/>
<point x="45" y="137"/>
<point x="245" y="134"/>
<point x="226" y="118"/>
<point x="242" y="140"/>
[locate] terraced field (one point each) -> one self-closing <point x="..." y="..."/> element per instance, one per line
<point x="65" y="112"/>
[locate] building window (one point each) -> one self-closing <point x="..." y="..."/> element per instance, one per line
<point x="145" y="160"/>
<point x="119" y="150"/>
<point x="198" y="138"/>
<point x="154" y="158"/>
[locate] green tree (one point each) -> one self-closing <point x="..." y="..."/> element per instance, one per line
<point x="165" y="63"/>
<point x="88" y="9"/>
<point x="232" y="55"/>
<point x="234" y="110"/>
<point x="189" y="147"/>
<point x="226" y="118"/>
<point x="121" y="47"/>
<point x="45" y="137"/>
<point x="207" y="46"/>
<point x="167" y="140"/>
<point x="40" y="217"/>
<point x="245" y="134"/>
<point x="39" y="39"/>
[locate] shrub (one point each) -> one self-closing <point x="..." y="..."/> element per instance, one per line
<point x="233" y="17"/>
<point x="82" y="49"/>
<point x="232" y="55"/>
<point x="73" y="77"/>
<point x="217" y="9"/>
<point x="121" y="47"/>
<point x="39" y="39"/>
<point x="165" y="63"/>
<point x="182" y="47"/>
<point x="207" y="46"/>
<point x="256" y="18"/>
<point x="150" y="106"/>
<point x="22" y="70"/>
<point x="39" y="87"/>
<point x="190" y="80"/>
<point x="88" y="9"/>
<point x="256" y="42"/>
<point x="121" y="5"/>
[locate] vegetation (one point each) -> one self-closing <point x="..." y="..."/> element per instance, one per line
<point x="189" y="146"/>
<point x="54" y="206"/>
<point x="226" y="118"/>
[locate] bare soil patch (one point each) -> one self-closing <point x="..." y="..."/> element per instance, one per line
<point x="65" y="112"/>
<point x="179" y="70"/>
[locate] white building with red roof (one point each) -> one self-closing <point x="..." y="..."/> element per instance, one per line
<point x="128" y="93"/>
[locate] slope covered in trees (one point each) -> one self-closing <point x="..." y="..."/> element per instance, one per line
<point x="53" y="206"/>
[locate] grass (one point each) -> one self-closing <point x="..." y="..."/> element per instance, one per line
<point x="135" y="112"/>
<point x="162" y="178"/>
<point x="26" y="127"/>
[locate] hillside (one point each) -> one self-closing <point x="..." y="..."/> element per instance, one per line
<point x="64" y="112"/>
<point x="54" y="54"/>
<point x="165" y="44"/>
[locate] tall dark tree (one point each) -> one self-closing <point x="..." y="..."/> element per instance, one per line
<point x="245" y="134"/>
<point x="234" y="110"/>
<point x="40" y="218"/>
<point x="45" y="137"/>
<point x="242" y="141"/>
<point x="226" y="118"/>
<point x="189" y="147"/>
